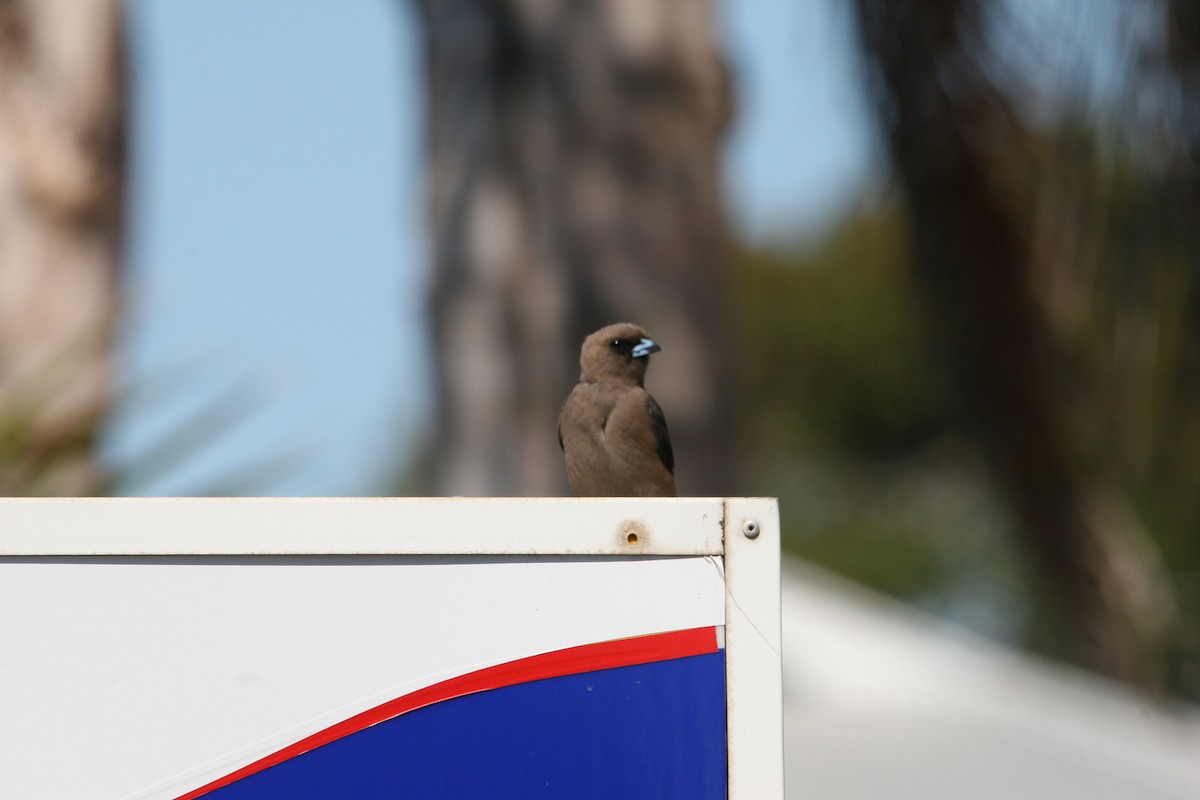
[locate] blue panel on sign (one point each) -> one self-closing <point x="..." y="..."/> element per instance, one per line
<point x="648" y="731"/>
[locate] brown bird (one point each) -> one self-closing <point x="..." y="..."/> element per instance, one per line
<point x="611" y="431"/>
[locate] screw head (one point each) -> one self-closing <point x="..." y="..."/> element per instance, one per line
<point x="751" y="528"/>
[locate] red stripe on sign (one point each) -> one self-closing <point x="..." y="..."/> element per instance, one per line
<point x="571" y="661"/>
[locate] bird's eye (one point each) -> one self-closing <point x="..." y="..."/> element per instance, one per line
<point x="622" y="346"/>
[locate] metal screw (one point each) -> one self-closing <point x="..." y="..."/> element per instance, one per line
<point x="751" y="529"/>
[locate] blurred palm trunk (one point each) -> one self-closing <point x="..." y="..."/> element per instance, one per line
<point x="62" y="98"/>
<point x="1176" y="162"/>
<point x="1179" y="472"/>
<point x="968" y="169"/>
<point x="573" y="182"/>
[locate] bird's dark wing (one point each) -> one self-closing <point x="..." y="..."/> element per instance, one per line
<point x="658" y="424"/>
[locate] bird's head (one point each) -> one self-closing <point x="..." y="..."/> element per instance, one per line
<point x="619" y="352"/>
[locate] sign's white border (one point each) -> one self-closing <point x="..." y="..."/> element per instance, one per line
<point x="744" y="531"/>
<point x="358" y="526"/>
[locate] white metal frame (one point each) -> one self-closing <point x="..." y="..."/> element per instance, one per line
<point x="743" y="531"/>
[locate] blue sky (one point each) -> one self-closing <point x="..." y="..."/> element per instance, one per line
<point x="277" y="256"/>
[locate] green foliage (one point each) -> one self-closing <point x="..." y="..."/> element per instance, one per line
<point x="47" y="443"/>
<point x="832" y="355"/>
<point x="847" y="417"/>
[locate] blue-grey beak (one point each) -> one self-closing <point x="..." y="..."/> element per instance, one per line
<point x="644" y="348"/>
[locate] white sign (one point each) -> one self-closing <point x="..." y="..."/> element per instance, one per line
<point x="311" y="648"/>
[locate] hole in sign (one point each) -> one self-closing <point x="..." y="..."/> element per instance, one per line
<point x="633" y="532"/>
